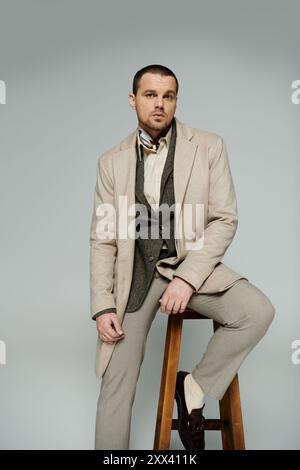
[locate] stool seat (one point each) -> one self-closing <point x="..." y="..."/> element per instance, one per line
<point x="230" y="422"/>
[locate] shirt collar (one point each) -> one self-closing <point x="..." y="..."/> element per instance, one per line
<point x="166" y="139"/>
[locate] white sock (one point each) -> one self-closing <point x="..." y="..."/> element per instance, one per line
<point x="194" y="395"/>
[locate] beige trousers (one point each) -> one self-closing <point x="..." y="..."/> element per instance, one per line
<point x="244" y="313"/>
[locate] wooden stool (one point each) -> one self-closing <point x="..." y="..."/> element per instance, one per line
<point x="230" y="423"/>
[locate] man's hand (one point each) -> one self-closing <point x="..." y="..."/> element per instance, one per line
<point x="176" y="296"/>
<point x="109" y="328"/>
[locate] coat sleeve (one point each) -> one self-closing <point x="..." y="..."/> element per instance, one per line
<point x="106" y="310"/>
<point x="222" y="220"/>
<point x="103" y="246"/>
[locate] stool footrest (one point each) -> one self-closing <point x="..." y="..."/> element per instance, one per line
<point x="209" y="424"/>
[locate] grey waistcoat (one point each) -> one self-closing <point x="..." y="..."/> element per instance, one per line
<point x="148" y="250"/>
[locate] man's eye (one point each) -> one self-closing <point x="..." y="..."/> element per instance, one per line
<point x="169" y="97"/>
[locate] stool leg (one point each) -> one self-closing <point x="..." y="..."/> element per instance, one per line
<point x="168" y="383"/>
<point x="231" y="415"/>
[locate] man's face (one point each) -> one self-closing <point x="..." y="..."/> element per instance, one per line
<point x="154" y="102"/>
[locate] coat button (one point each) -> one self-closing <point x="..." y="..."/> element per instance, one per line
<point x="151" y="258"/>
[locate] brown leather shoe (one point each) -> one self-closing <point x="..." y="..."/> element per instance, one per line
<point x="190" y="425"/>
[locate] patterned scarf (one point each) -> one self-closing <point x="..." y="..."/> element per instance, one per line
<point x="147" y="140"/>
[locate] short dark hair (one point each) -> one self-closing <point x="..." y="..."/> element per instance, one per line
<point x="154" y="68"/>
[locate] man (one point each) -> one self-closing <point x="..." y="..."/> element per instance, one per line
<point x="165" y="164"/>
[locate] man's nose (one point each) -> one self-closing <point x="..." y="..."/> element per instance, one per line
<point x="159" y="102"/>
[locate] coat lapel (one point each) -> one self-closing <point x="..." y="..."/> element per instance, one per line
<point x="185" y="152"/>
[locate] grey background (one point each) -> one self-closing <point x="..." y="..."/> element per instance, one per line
<point x="68" y="67"/>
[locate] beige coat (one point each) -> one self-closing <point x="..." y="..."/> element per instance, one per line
<point x="201" y="176"/>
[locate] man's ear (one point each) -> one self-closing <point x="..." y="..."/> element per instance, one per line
<point x="131" y="100"/>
